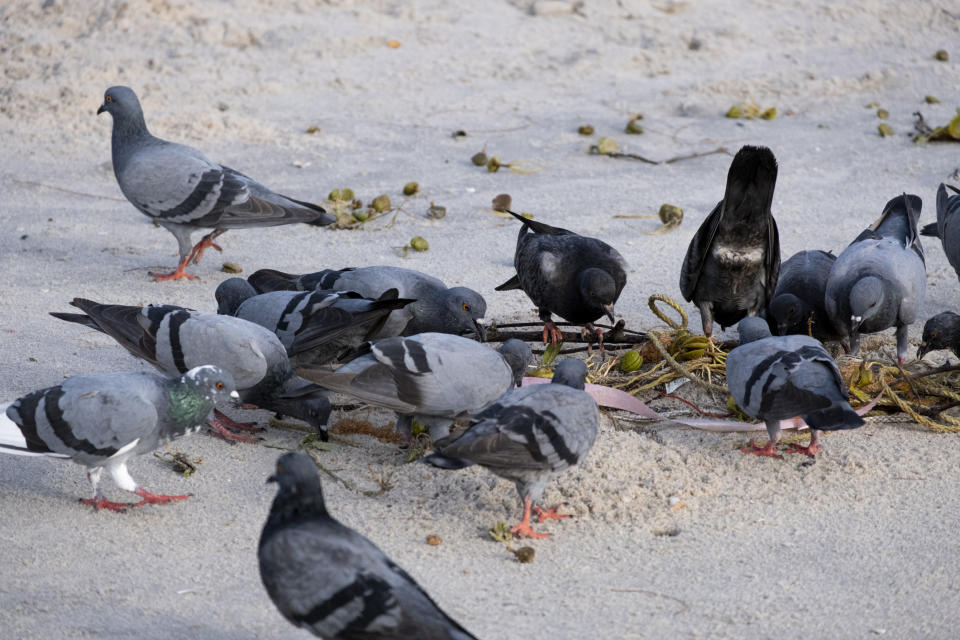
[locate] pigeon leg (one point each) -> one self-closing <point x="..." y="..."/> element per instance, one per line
<point x="206" y="242"/>
<point x="552" y="333"/>
<point x="524" y="529"/>
<point x="156" y="498"/>
<point x="175" y="275"/>
<point x="811" y="449"/>
<point x="551" y="513"/>
<point x="98" y="501"/>
<point x="770" y="449"/>
<point x="220" y="430"/>
<point x="706" y="318"/>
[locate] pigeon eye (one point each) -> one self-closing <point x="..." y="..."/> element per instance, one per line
<point x="109" y="99"/>
<point x="466" y="307"/>
<point x="933" y="334"/>
<point x="219" y="385"/>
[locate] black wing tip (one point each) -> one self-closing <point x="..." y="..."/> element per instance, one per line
<point x="441" y="461"/>
<point x="512" y="283"/>
<point x="930" y="230"/>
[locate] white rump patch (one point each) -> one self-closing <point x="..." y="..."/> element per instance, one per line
<point x="549" y="264"/>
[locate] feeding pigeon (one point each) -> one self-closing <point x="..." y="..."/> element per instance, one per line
<point x="430" y="377"/>
<point x="797" y="306"/>
<point x="334" y="323"/>
<point x="947" y="226"/>
<point x="731" y="267"/>
<point x="326" y="577"/>
<point x="174" y="339"/>
<point x="180" y="189"/>
<point x="880" y="279"/>
<point x="528" y="436"/>
<point x="775" y="378"/>
<point x="576" y="277"/>
<point x="942" y="331"/>
<point x="101" y="421"/>
<point x="456" y="310"/>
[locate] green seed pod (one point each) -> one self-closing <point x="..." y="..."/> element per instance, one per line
<point x="735" y="112"/>
<point x="633" y="127"/>
<point x="606" y="146"/>
<point x="479" y="159"/>
<point x="769" y="114"/>
<point x="313" y="129"/>
<point x="883" y="114"/>
<point x="631" y="361"/>
<point x="931" y="99"/>
<point x="585" y="129"/>
<point x="524" y="555"/>
<point x="670" y="214"/>
<point x="346" y="194"/>
<point x="345" y="219"/>
<point x="335" y="195"/>
<point x="381" y="203"/>
<point x="361" y="215"/>
<point x="942" y="55"/>
<point x="418" y="243"/>
<point x="493" y="164"/>
<point x="410" y="188"/>
<point x="231" y="267"/>
<point x="885" y="130"/>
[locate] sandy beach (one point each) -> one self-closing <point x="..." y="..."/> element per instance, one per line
<point x="862" y="543"/>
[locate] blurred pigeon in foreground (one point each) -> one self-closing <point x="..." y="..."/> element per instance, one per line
<point x="775" y="378"/>
<point x="326" y="577"/>
<point x="529" y="436"/>
<point x="316" y="327"/>
<point x="457" y="310"/>
<point x="731" y="267"/>
<point x="180" y="189"/>
<point x="880" y="279"/>
<point x="797" y="306"/>
<point x="101" y="421"/>
<point x="947" y="226"/>
<point x="942" y="331"/>
<point x="576" y="277"/>
<point x="174" y="339"/>
<point x="431" y="377"/>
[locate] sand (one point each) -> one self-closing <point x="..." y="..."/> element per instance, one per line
<point x="860" y="543"/>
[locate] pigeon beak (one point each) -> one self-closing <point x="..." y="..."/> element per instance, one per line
<point x="272" y="478"/>
<point x="608" y="310"/>
<point x="234" y="398"/>
<point x="480" y="331"/>
<point x="102" y="108"/>
<point x="922" y="350"/>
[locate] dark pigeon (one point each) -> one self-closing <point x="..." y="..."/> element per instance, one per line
<point x="174" y="339"/>
<point x="775" y="378"/>
<point x="529" y="436"/>
<point x="732" y="264"/>
<point x="316" y="327"/>
<point x="797" y="306"/>
<point x="437" y="308"/>
<point x="433" y="378"/>
<point x="947" y="226"/>
<point x="880" y="279"/>
<point x="942" y="331"/>
<point x="183" y="191"/>
<point x="327" y="578"/>
<point x="576" y="277"/>
<point x="102" y="421"/>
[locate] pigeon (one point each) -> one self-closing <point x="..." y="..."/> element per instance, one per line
<point x="182" y="190"/>
<point x="174" y="339"/>
<point x="947" y="226"/>
<point x="576" y="277"/>
<point x="456" y="310"/>
<point x="316" y="327"/>
<point x="528" y="436"/>
<point x="101" y="421"/>
<point x="797" y="306"/>
<point x="774" y="378"/>
<point x="433" y="378"/>
<point x="731" y="267"/>
<point x="942" y="331"/>
<point x="880" y="279"/>
<point x="331" y="580"/>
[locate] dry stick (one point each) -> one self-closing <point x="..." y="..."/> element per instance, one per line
<point x="31" y="183"/>
<point x="617" y="335"/>
<point x="637" y="156"/>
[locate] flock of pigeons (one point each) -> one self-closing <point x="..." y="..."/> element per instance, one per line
<point x="403" y="340"/>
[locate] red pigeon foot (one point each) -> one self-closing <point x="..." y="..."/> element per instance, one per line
<point x="102" y="503"/>
<point x="524" y="530"/>
<point x="552" y="333"/>
<point x="156" y="498"/>
<point x="770" y="450"/>
<point x="551" y="513"/>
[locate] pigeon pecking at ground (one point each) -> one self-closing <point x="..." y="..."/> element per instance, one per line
<point x="180" y="189"/>
<point x="528" y="436"/>
<point x="942" y="331"/>
<point x="174" y="339"/>
<point x="731" y="267"/>
<point x="433" y="378"/>
<point x="331" y="580"/>
<point x="576" y="277"/>
<point x="437" y="308"/>
<point x="101" y="421"/>
<point x="880" y="279"/>
<point x="775" y="378"/>
<point x="947" y="226"/>
<point x="334" y="323"/>
<point x="797" y="306"/>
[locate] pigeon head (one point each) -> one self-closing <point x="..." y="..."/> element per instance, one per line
<point x="571" y="372"/>
<point x="518" y="355"/>
<point x="305" y="401"/>
<point x="942" y="331"/>
<point x="598" y="290"/>
<point x="298" y="486"/>
<point x="123" y="105"/>
<point x="463" y="310"/>
<point x="213" y="380"/>
<point x="753" y="328"/>
<point x="231" y="293"/>
<point x="789" y="314"/>
<point x="866" y="299"/>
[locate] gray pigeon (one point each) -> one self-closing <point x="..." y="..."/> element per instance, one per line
<point x="797" y="306"/>
<point x="174" y="339"/>
<point x="731" y="267"/>
<point x="329" y="579"/>
<point x="182" y="190"/>
<point x="942" y="331"/>
<point x="101" y="421"/>
<point x="775" y="378"/>
<point x="456" y="310"/>
<point x="431" y="377"/>
<point x="316" y="327"/>
<point x="880" y="279"/>
<point x="529" y="436"/>
<point x="947" y="226"/>
<point x="576" y="277"/>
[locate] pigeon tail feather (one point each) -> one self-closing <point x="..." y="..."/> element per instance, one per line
<point x="834" y="418"/>
<point x="12" y="440"/>
<point x="930" y="230"/>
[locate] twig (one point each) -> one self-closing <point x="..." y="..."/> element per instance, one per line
<point x="42" y="185"/>
<point x="617" y="334"/>
<point x="637" y="156"/>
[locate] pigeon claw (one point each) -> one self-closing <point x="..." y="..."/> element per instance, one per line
<point x="220" y="430"/>
<point x="233" y="425"/>
<point x="175" y="275"/>
<point x="552" y="333"/>
<point x="551" y="513"/>
<point x="769" y="450"/>
<point x="156" y="498"/>
<point x="206" y="242"/>
<point x="811" y="449"/>
<point x="524" y="530"/>
<point x="100" y="502"/>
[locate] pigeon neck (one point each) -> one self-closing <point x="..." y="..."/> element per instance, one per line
<point x="188" y="407"/>
<point x="128" y="128"/>
<point x="300" y="502"/>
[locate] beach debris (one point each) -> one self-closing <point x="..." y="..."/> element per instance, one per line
<point x="885" y="130"/>
<point x="393" y="44"/>
<point x="381" y="203"/>
<point x="231" y="267"/>
<point x="931" y="99"/>
<point x="500" y="532"/>
<point x="312" y="129"/>
<point x="631" y="361"/>
<point x="585" y="129"/>
<point x="524" y="555"/>
<point x="605" y="146"/>
<point x="385" y="434"/>
<point x="751" y="111"/>
<point x="502" y="202"/>
<point x="479" y="159"/>
<point x="341" y="195"/>
<point x="941" y="55"/>
<point x="419" y="243"/>
<point x="436" y="211"/>
<point x="434" y="540"/>
<point x="179" y="461"/>
<point x="633" y="125"/>
<point x="947" y="133"/>
<point x="459" y="133"/>
<point x="883" y="114"/>
<point x="411" y="188"/>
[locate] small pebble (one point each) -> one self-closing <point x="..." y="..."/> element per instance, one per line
<point x="434" y="540"/>
<point x="942" y="55"/>
<point x="585" y="130"/>
<point x="231" y="267"/>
